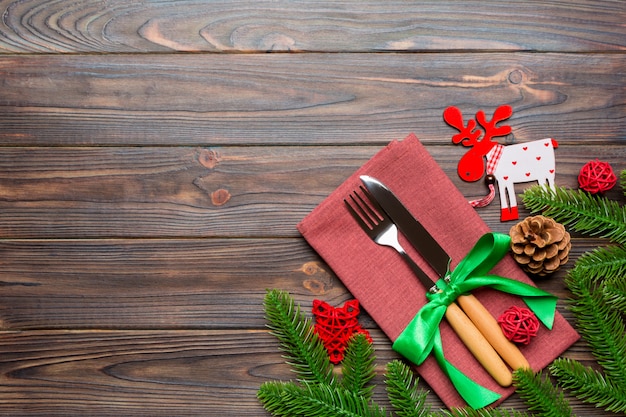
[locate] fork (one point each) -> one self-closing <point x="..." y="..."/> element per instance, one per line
<point x="383" y="231"/>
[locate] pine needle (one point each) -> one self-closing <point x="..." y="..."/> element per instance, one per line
<point x="405" y="397"/>
<point x="410" y="401"/>
<point x="318" y="393"/>
<point x="304" y="351"/>
<point x="609" y="261"/>
<point x="589" y="385"/>
<point x="614" y="292"/>
<point x="599" y="324"/>
<point x="314" y="400"/>
<point x="585" y="213"/>
<point x="540" y="395"/>
<point x="358" y="366"/>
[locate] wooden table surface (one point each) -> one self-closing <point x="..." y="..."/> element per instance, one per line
<point x="156" y="156"/>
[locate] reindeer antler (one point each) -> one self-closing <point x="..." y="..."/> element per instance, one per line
<point x="467" y="136"/>
<point x="491" y="130"/>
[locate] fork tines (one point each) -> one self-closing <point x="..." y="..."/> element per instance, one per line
<point x="365" y="210"/>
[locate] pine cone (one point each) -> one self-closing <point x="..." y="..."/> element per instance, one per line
<point x="540" y="245"/>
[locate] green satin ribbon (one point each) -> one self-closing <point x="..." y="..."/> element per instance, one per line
<point x="422" y="336"/>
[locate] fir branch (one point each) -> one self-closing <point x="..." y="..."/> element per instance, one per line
<point x="609" y="261"/>
<point x="622" y="180"/>
<point x="304" y="351"/>
<point x="540" y="395"/>
<point x="596" y="216"/>
<point x="614" y="291"/>
<point x="401" y="385"/>
<point x="314" y="400"/>
<point x="410" y="401"/>
<point x="599" y="324"/>
<point x="358" y="366"/>
<point x="589" y="385"/>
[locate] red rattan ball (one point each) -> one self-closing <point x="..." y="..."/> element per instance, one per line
<point x="596" y="177"/>
<point x="519" y="325"/>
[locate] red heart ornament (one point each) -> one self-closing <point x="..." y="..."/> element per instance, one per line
<point x="335" y="326"/>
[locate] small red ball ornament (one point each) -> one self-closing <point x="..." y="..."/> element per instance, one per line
<point x="519" y="325"/>
<point x="596" y="177"/>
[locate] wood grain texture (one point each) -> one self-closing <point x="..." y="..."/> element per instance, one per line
<point x="303" y="98"/>
<point x="204" y="191"/>
<point x="341" y="26"/>
<point x="191" y="283"/>
<point x="160" y="373"/>
<point x="104" y="373"/>
<point x="155" y="160"/>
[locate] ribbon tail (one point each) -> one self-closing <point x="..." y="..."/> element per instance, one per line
<point x="543" y="307"/>
<point x="422" y="337"/>
<point x="486" y="200"/>
<point x="542" y="303"/>
<point x="474" y="394"/>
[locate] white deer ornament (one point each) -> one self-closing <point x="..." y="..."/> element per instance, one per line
<point x="506" y="165"/>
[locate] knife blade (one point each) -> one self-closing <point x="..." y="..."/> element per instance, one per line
<point x="419" y="237"/>
<point x="439" y="259"/>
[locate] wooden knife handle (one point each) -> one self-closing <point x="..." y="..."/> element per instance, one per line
<point x="490" y="328"/>
<point x="478" y="345"/>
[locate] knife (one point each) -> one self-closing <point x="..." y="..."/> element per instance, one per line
<point x="438" y="258"/>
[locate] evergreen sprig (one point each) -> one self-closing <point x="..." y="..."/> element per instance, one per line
<point x="602" y="326"/>
<point x="585" y="213"/>
<point x="304" y="351"/>
<point x="540" y="395"/>
<point x="589" y="384"/>
<point x="599" y="293"/>
<point x="402" y="391"/>
<point x="608" y="261"/>
<point x="614" y="290"/>
<point x="315" y="400"/>
<point x="358" y="366"/>
<point x="318" y="392"/>
<point x="606" y="267"/>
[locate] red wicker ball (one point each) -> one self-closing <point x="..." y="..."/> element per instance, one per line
<point x="596" y="177"/>
<point x="519" y="324"/>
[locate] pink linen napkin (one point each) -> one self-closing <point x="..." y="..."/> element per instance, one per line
<point x="386" y="287"/>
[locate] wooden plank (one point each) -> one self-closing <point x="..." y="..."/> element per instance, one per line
<point x="142" y="373"/>
<point x="275" y="99"/>
<point x="154" y="373"/>
<point x="344" y="26"/>
<point x="225" y="191"/>
<point x="192" y="283"/>
<point x="171" y="284"/>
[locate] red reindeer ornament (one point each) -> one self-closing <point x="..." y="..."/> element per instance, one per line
<point x="506" y="165"/>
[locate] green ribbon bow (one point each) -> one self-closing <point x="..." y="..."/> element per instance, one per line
<point x="422" y="336"/>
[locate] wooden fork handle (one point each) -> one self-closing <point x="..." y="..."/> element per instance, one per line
<point x="490" y="328"/>
<point x="478" y="345"/>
